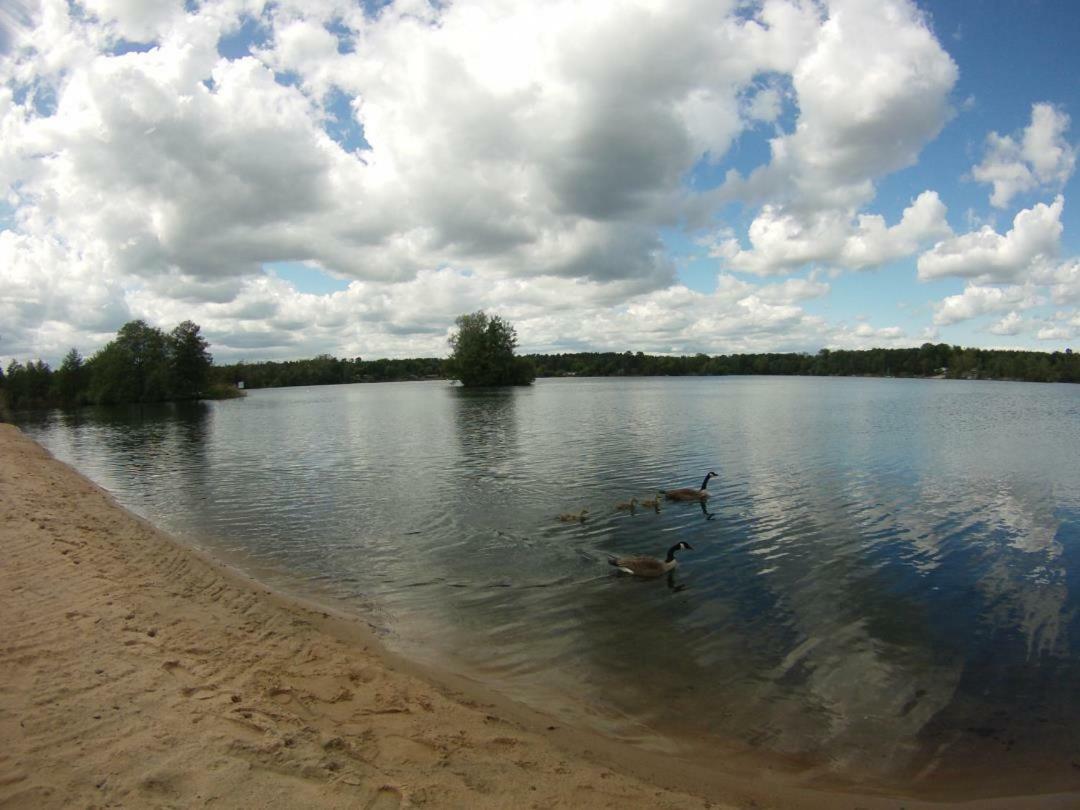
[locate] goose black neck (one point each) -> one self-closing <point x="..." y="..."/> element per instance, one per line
<point x="705" y="483"/>
<point x="671" y="553"/>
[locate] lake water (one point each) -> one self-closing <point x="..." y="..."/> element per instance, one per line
<point x="884" y="582"/>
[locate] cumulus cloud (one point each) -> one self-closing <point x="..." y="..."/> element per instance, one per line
<point x="135" y="20"/>
<point x="783" y="240"/>
<point x="15" y="21"/>
<point x="501" y="138"/>
<point x="978" y="300"/>
<point x="765" y="105"/>
<point x="986" y="255"/>
<point x="872" y="90"/>
<point x="410" y="319"/>
<point x="863" y="336"/>
<point x="794" y="290"/>
<point x="1064" y="282"/>
<point x="1065" y="325"/>
<point x="872" y="243"/>
<point x="46" y="283"/>
<point x="504" y="155"/>
<point x="1011" y="324"/>
<point x="1039" y="158"/>
<point x="1008" y="273"/>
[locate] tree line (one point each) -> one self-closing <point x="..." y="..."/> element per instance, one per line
<point x="928" y="360"/>
<point x="144" y="364"/>
<point x="482" y="353"/>
<point x="141" y="364"/>
<point x="327" y="370"/>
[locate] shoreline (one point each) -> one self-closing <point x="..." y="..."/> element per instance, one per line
<point x="135" y="669"/>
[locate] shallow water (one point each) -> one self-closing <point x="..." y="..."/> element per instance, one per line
<point x="884" y="581"/>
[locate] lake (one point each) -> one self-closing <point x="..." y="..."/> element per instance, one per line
<point x="883" y="585"/>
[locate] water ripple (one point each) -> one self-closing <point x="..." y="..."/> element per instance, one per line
<point x="882" y="565"/>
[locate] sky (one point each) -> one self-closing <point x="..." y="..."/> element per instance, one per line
<point x="323" y="176"/>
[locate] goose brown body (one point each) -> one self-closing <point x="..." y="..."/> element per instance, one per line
<point x="689" y="493"/>
<point x="645" y="566"/>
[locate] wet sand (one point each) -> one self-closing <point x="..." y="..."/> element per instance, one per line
<point x="135" y="672"/>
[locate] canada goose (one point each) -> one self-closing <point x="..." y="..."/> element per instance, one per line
<point x="624" y="505"/>
<point x="645" y="566"/>
<point x="653" y="503"/>
<point x="689" y="493"/>
<point x="570" y="517"/>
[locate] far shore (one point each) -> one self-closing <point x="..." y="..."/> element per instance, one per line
<point x="136" y="672"/>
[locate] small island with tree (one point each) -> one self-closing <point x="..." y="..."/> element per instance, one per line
<point x="482" y="353"/>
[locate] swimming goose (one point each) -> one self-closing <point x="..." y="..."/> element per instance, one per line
<point x="645" y="566"/>
<point x="624" y="505"/>
<point x="689" y="493"/>
<point x="570" y="517"/>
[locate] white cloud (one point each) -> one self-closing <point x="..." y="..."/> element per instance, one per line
<point x="1062" y="326"/>
<point x="872" y="90"/>
<point x="15" y="22"/>
<point x="1011" y="324"/>
<point x="136" y="20"/>
<point x="43" y="281"/>
<point x="765" y="105"/>
<point x="986" y="255"/>
<point x="509" y="139"/>
<point x="978" y="300"/>
<point x="522" y="158"/>
<point x="782" y="240"/>
<point x="269" y="319"/>
<point x="1064" y="282"/>
<point x="865" y="336"/>
<point x="873" y="244"/>
<point x="793" y="291"/>
<point x="1056" y="333"/>
<point x="1041" y="158"/>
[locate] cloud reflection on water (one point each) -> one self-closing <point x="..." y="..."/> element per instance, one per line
<point x="887" y="564"/>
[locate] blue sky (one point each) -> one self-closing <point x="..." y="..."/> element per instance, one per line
<point x="717" y="176"/>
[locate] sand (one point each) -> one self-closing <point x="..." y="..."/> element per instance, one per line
<point x="134" y="672"/>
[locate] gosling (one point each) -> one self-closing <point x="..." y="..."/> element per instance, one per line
<point x="574" y="517"/>
<point x="652" y="503"/>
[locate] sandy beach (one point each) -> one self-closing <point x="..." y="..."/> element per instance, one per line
<point x="136" y="673"/>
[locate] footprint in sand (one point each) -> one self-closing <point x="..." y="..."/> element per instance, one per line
<point x="388" y="797"/>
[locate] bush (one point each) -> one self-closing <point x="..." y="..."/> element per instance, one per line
<point x="483" y="352"/>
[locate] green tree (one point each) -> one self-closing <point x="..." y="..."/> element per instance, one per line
<point x="15" y="383"/>
<point x="189" y="361"/>
<point x="483" y="352"/>
<point x="27" y="386"/>
<point x="72" y="379"/>
<point x="132" y="368"/>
